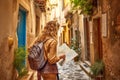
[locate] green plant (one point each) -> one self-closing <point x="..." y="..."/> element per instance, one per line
<point x="97" y="68"/>
<point x="84" y="5"/>
<point x="19" y="60"/>
<point x="23" y="72"/>
<point x="75" y="46"/>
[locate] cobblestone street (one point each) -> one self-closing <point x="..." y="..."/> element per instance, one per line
<point x="70" y="71"/>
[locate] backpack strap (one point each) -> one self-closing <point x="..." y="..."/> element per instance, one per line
<point x="45" y="40"/>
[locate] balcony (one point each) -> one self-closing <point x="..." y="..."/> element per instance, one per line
<point x="41" y="4"/>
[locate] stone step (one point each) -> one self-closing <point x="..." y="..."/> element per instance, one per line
<point x="88" y="63"/>
<point x="86" y="67"/>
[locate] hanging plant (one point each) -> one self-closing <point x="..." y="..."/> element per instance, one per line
<point x="84" y="5"/>
<point x="19" y="61"/>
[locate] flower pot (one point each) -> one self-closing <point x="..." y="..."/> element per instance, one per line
<point x="99" y="77"/>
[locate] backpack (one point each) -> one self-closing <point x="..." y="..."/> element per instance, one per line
<point x="36" y="56"/>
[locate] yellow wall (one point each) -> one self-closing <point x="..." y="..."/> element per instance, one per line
<point x="8" y="29"/>
<point x="66" y="34"/>
<point x="6" y="54"/>
<point x="66" y="2"/>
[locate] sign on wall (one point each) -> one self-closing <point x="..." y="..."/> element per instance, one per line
<point x="104" y="25"/>
<point x="91" y="32"/>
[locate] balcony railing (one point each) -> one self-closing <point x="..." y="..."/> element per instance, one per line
<point x="41" y="4"/>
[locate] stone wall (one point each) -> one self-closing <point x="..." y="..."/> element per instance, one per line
<point x="6" y="53"/>
<point x="8" y="24"/>
<point x="111" y="44"/>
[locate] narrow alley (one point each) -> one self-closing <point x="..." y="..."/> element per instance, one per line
<point x="89" y="28"/>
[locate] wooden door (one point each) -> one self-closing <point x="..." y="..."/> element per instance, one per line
<point x="37" y="25"/>
<point x="87" y="39"/>
<point x="97" y="39"/>
<point x="21" y="28"/>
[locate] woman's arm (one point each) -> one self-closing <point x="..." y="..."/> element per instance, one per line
<point x="52" y="55"/>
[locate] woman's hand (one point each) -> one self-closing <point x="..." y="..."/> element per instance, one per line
<point x="62" y="56"/>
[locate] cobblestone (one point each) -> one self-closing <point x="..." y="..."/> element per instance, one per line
<point x="72" y="71"/>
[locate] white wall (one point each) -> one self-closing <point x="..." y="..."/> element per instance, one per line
<point x="81" y="28"/>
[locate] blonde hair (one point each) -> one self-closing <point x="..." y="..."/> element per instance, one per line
<point x="50" y="30"/>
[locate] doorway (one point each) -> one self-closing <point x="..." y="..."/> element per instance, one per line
<point x="21" y="31"/>
<point x="97" y="39"/>
<point x="87" y="40"/>
<point x="21" y="28"/>
<point x="37" y="25"/>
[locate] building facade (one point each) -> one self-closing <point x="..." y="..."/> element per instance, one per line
<point x="111" y="41"/>
<point x="103" y="36"/>
<point x="21" y="21"/>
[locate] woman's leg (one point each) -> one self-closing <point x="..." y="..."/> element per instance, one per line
<point x="49" y="76"/>
<point x="38" y="75"/>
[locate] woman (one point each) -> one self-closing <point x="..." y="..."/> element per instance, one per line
<point x="50" y="71"/>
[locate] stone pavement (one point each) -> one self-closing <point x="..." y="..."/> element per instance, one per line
<point x="70" y="71"/>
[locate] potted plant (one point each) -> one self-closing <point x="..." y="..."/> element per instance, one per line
<point x="19" y="61"/>
<point x="97" y="69"/>
<point x="75" y="46"/>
